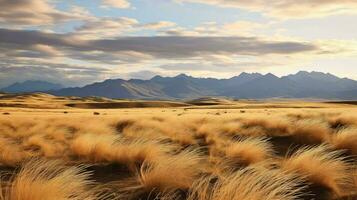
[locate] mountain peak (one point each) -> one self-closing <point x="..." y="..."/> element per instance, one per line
<point x="182" y="75"/>
<point x="313" y="75"/>
<point x="302" y="73"/>
<point x="243" y="74"/>
<point x="270" y="75"/>
<point x="157" y="78"/>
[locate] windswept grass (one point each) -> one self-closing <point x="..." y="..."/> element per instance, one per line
<point x="249" y="151"/>
<point x="346" y="139"/>
<point x="253" y="183"/>
<point x="46" y="180"/>
<point x="310" y="132"/>
<point x="172" y="172"/>
<point x="216" y="153"/>
<point x="114" y="148"/>
<point x="326" y="170"/>
<point x="97" y="148"/>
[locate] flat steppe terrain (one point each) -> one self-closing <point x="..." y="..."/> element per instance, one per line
<point x="209" y="148"/>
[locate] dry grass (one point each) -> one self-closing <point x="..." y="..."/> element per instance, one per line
<point x="10" y="153"/>
<point x="311" y="132"/>
<point x="249" y="151"/>
<point x="253" y="183"/>
<point x="346" y="139"/>
<point x="217" y="153"/>
<point x="323" y="168"/>
<point x="45" y="180"/>
<point x="94" y="147"/>
<point x="172" y="172"/>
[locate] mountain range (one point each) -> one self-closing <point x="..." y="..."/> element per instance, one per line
<point x="31" y="86"/>
<point x="245" y="86"/>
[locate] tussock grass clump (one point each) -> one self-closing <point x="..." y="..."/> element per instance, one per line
<point x="10" y="153"/>
<point x="172" y="172"/>
<point x="310" y="132"/>
<point x="45" y="147"/>
<point x="16" y="128"/>
<point x="249" y="151"/>
<point x="253" y="183"/>
<point x="346" y="139"/>
<point x="47" y="180"/>
<point x="229" y="128"/>
<point x="165" y="178"/>
<point x="121" y="125"/>
<point x="149" y="128"/>
<point x="340" y="122"/>
<point x="97" y="148"/>
<point x="114" y="148"/>
<point x="325" y="169"/>
<point x="270" y="127"/>
<point x="135" y="153"/>
<point x="301" y="116"/>
<point x="212" y="134"/>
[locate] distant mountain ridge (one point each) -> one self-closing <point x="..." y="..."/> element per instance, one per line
<point x="31" y="86"/>
<point x="247" y="86"/>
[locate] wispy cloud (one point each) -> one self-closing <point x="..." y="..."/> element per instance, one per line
<point x="241" y="28"/>
<point x="117" y="3"/>
<point x="288" y="8"/>
<point x="36" y="12"/>
<point x="105" y="27"/>
<point x="157" y="46"/>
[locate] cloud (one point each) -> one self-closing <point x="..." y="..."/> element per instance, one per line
<point x="180" y="31"/>
<point x="209" y="67"/>
<point x="77" y="59"/>
<point x="28" y="38"/>
<point x="106" y="27"/>
<point x="117" y="3"/>
<point x="17" y="68"/>
<point x="288" y="8"/>
<point x="158" y="46"/>
<point x="35" y="12"/>
<point x="144" y="74"/>
<point x="78" y="46"/>
<point x="47" y="50"/>
<point x="110" y="58"/>
<point x="187" y="46"/>
<point x="158" y="25"/>
<point x="241" y="28"/>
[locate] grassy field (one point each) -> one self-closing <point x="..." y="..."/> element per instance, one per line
<point x="207" y="149"/>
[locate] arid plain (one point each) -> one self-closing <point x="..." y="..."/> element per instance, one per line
<point x="205" y="149"/>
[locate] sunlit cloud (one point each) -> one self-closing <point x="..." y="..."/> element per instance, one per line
<point x="79" y="42"/>
<point x="117" y="3"/>
<point x="96" y="28"/>
<point x="288" y="8"/>
<point x="238" y="28"/>
<point x="36" y="12"/>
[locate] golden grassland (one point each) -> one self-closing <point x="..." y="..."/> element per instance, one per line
<point x="208" y="150"/>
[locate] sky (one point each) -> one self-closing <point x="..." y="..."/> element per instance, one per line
<point x="82" y="41"/>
